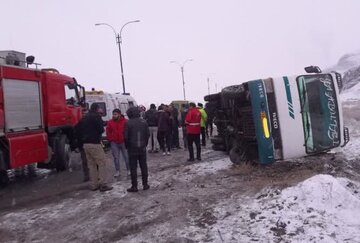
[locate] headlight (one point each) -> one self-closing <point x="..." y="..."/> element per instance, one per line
<point x="265" y="124"/>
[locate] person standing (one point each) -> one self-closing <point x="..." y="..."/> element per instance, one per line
<point x="151" y="117"/>
<point x="175" y="127"/>
<point x="80" y="146"/>
<point x="136" y="137"/>
<point x="209" y="120"/>
<point x="164" y="130"/>
<point x="193" y="128"/>
<point x="203" y="123"/>
<point x="115" y="135"/>
<point x="90" y="131"/>
<point x="183" y="112"/>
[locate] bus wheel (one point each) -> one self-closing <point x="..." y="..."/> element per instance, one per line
<point x="238" y="155"/>
<point x="219" y="147"/>
<point x="62" y="153"/>
<point x="212" y="97"/>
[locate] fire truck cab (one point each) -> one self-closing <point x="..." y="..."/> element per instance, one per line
<point x="38" y="111"/>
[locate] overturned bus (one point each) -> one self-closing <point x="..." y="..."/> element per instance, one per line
<point x="281" y="118"/>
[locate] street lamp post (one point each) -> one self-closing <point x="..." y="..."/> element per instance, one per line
<point x="208" y="83"/>
<point x="182" y="73"/>
<point x="118" y="42"/>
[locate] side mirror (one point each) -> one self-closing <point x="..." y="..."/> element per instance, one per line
<point x="312" y="69"/>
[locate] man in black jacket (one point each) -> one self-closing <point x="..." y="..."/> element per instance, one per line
<point x="151" y="117"/>
<point x="90" y="131"/>
<point x="136" y="137"/>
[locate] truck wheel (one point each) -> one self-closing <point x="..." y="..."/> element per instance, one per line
<point x="238" y="155"/>
<point x="4" y="178"/>
<point x="212" y="97"/>
<point x="62" y="153"/>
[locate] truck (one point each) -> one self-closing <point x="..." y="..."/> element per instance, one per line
<point x="39" y="109"/>
<point x="267" y="120"/>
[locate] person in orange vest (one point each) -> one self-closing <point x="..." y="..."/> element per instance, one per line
<point x="193" y="129"/>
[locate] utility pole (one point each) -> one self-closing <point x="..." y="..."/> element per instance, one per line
<point x="208" y="82"/>
<point x="182" y="73"/>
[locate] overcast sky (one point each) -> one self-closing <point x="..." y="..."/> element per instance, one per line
<point x="230" y="41"/>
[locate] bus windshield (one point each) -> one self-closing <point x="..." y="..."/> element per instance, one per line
<point x="320" y="113"/>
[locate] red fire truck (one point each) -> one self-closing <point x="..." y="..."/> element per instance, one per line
<point x="38" y="111"/>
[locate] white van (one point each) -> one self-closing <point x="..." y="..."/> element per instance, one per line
<point x="108" y="102"/>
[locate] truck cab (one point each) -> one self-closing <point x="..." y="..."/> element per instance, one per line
<point x="279" y="118"/>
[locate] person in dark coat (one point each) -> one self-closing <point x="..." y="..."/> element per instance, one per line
<point x="90" y="132"/>
<point x="175" y="127"/>
<point x="80" y="146"/>
<point x="184" y="111"/>
<point x="136" y="137"/>
<point x="151" y="117"/>
<point x="210" y="120"/>
<point x="164" y="129"/>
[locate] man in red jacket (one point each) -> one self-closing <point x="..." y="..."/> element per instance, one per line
<point x="193" y="129"/>
<point x="115" y="134"/>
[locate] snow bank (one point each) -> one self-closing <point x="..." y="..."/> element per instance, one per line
<point x="351" y="94"/>
<point x="320" y="209"/>
<point x="346" y="62"/>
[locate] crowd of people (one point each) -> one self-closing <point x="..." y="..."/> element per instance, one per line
<point x="155" y="130"/>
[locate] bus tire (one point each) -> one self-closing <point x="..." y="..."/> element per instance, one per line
<point x="238" y="155"/>
<point x="219" y="147"/>
<point x="212" y="97"/>
<point x="233" y="91"/>
<point x="217" y="140"/>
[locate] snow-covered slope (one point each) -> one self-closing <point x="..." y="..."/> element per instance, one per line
<point x="349" y="67"/>
<point x="352" y="93"/>
<point x="320" y="209"/>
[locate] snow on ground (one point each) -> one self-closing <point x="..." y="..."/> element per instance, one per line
<point x="352" y="150"/>
<point x="212" y="166"/>
<point x="195" y="169"/>
<point x="351" y="94"/>
<point x="25" y="219"/>
<point x="320" y="209"/>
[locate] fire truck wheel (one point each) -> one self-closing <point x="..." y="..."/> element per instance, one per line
<point x="238" y="155"/>
<point x="62" y="151"/>
<point x="4" y="178"/>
